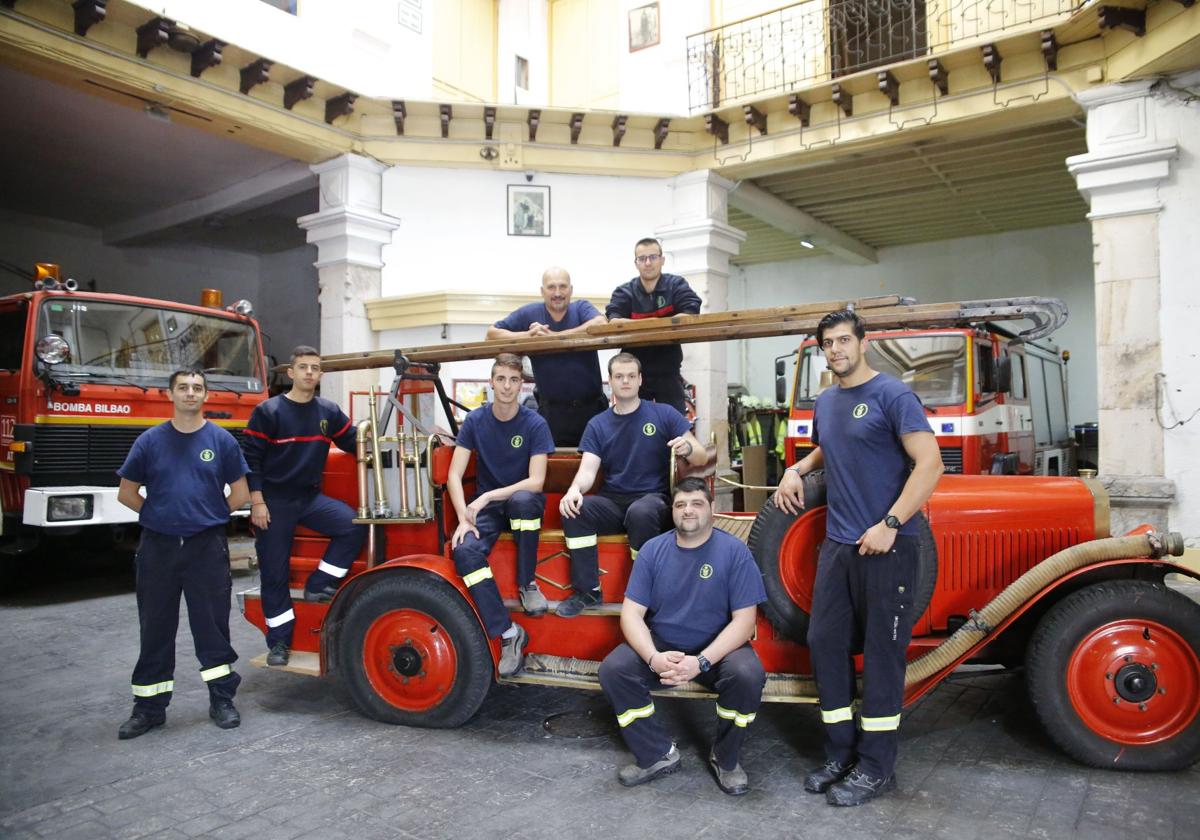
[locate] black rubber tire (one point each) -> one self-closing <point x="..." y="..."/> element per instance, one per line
<point x="454" y="616"/>
<point x="766" y="539"/>
<point x="1056" y="638"/>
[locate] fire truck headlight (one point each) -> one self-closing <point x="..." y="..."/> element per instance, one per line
<point x="53" y="349"/>
<point x="242" y="307"/>
<point x="68" y="508"/>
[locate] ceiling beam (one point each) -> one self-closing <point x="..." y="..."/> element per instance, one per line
<point x="752" y="199"/>
<point x="283" y="181"/>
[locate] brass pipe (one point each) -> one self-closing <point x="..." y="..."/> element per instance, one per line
<point x="402" y="457"/>
<point x="361" y="434"/>
<point x="371" y="561"/>
<point x="381" y="506"/>
<point x="419" y="511"/>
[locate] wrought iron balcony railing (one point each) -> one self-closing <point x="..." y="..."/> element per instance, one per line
<point x="819" y="40"/>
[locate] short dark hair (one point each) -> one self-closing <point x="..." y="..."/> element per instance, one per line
<point x="187" y="372"/>
<point x="692" y="484"/>
<point x="842" y="316"/>
<point x="508" y="360"/>
<point x="649" y="240"/>
<point x="624" y="358"/>
<point x="303" y="350"/>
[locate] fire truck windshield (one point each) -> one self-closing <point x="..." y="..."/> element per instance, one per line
<point x="934" y="366"/>
<point x="145" y="344"/>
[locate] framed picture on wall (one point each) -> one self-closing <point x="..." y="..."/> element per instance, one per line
<point x="643" y="27"/>
<point x="528" y="210"/>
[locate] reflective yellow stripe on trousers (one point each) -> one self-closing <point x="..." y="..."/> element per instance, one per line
<point x="837" y="715"/>
<point x="879" y="724"/>
<point x="629" y="716"/>
<point x="476" y="576"/>
<point x="525" y="524"/>
<point x="152" y="690"/>
<point x="216" y="672"/>
<point x="581" y="542"/>
<point x="737" y="717"/>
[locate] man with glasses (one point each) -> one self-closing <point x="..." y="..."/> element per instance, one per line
<point x="866" y="431"/>
<point x="653" y="294"/>
<point x="569" y="389"/>
<point x="286" y="444"/>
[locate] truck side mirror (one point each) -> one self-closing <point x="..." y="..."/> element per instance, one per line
<point x="780" y="390"/>
<point x="780" y="369"/>
<point x="1004" y="375"/>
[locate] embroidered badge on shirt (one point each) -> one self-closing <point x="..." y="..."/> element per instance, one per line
<point x="706" y="572"/>
<point x="860" y="411"/>
<point x="649" y="429"/>
<point x="324" y="427"/>
<point x="516" y="441"/>
<point x="207" y="455"/>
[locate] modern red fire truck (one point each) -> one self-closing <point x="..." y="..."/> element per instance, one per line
<point x="997" y="405"/>
<point x="82" y="374"/>
<point x="1014" y="570"/>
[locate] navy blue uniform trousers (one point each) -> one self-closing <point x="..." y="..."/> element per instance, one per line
<point x="198" y="568"/>
<point x="522" y="514"/>
<point x="641" y="517"/>
<point x="316" y="512"/>
<point x="627" y="681"/>
<point x="862" y="602"/>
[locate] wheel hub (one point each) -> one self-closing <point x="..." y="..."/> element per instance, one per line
<point x="1135" y="683"/>
<point x="406" y="660"/>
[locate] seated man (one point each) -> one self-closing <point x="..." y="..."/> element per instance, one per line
<point x="634" y="441"/>
<point x="689" y="614"/>
<point x="511" y="443"/>
<point x="286" y="443"/>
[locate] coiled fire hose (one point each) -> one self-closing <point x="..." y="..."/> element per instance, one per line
<point x="983" y="622"/>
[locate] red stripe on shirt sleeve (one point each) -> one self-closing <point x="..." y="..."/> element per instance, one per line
<point x="666" y="310"/>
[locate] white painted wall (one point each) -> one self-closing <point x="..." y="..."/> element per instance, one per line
<point x="1055" y="261"/>
<point x="1179" y="265"/>
<point x="523" y="31"/>
<point x="287" y="300"/>
<point x="356" y="44"/>
<point x="453" y="235"/>
<point x="655" y="79"/>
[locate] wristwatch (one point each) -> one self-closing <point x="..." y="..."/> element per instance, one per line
<point x="705" y="665"/>
<point x="892" y="522"/>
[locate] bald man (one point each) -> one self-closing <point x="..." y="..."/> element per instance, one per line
<point x="569" y="389"/>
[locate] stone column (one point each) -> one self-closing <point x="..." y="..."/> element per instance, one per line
<point x="1121" y="175"/>
<point x="699" y="243"/>
<point x="349" y="230"/>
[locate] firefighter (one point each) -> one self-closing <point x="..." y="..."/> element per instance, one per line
<point x="511" y="444"/>
<point x="688" y="614"/>
<point x="569" y="389"/>
<point x="184" y="464"/>
<point x="864" y="432"/>
<point x="633" y="441"/>
<point x="653" y="294"/>
<point x="286" y="443"/>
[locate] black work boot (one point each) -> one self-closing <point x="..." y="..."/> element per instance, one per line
<point x="278" y="654"/>
<point x="321" y="596"/>
<point x="819" y="780"/>
<point x="224" y="714"/>
<point x="139" y="723"/>
<point x="858" y="788"/>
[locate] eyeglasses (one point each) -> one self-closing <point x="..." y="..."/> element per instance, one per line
<point x="645" y="259"/>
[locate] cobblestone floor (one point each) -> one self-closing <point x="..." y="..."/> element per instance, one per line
<point x="974" y="763"/>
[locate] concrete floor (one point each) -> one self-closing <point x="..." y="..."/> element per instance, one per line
<point x="304" y="763"/>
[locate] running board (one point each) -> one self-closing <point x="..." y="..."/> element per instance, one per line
<point x="300" y="662"/>
<point x="568" y="672"/>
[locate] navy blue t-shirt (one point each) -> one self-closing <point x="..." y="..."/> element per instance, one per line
<point x="503" y="448"/>
<point x="858" y="430"/>
<point x="633" y="447"/>
<point x="185" y="474"/>
<point x="690" y="593"/>
<point x="561" y="376"/>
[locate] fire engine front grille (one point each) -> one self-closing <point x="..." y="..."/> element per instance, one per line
<point x="984" y="562"/>
<point x="65" y="455"/>
<point x="952" y="459"/>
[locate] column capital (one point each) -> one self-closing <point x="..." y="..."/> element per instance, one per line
<point x="350" y="226"/>
<point x="703" y="245"/>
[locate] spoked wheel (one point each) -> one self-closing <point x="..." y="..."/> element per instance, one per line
<point x="1114" y="673"/>
<point x="413" y="653"/>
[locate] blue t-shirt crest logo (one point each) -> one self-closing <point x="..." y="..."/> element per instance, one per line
<point x="516" y="441"/>
<point x="324" y="427"/>
<point x="207" y="455"/>
<point x="860" y="411"/>
<point x="649" y="429"/>
<point x="706" y="571"/>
